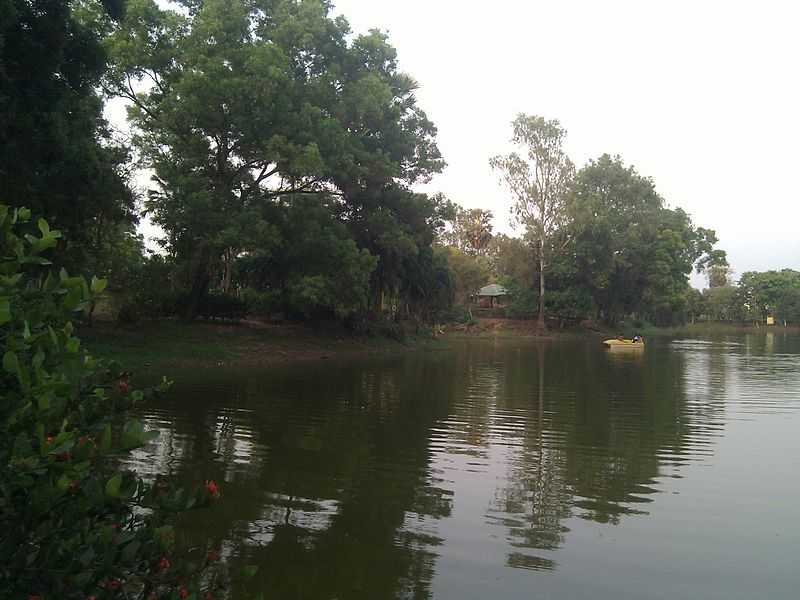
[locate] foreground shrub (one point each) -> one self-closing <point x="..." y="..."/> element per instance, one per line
<point x="72" y="524"/>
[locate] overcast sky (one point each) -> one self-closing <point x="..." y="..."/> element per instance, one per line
<point x="702" y="96"/>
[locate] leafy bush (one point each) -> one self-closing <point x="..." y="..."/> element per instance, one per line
<point x="221" y="306"/>
<point x="72" y="524"/>
<point x="260" y="303"/>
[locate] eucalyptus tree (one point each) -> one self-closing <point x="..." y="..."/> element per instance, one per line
<point x="539" y="180"/>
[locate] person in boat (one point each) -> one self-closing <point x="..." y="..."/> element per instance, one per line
<point x="636" y="339"/>
<point x="621" y="337"/>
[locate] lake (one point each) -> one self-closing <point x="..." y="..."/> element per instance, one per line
<point x="500" y="469"/>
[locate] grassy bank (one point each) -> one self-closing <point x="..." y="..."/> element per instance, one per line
<point x="249" y="343"/>
<point x="252" y="343"/>
<point x="512" y="328"/>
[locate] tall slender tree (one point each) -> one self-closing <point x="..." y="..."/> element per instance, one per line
<point x="538" y="177"/>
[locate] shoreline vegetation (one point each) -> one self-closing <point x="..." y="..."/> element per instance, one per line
<point x="251" y="343"/>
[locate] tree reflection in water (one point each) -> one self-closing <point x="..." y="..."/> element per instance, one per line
<point x="337" y="478"/>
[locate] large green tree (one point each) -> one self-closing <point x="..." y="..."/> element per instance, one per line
<point x="238" y="104"/>
<point x="539" y="180"/>
<point x="56" y="151"/>
<point x="770" y="293"/>
<point x="634" y="254"/>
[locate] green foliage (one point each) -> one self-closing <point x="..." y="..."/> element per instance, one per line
<point x="469" y="273"/>
<point x="149" y="291"/>
<point x="428" y="287"/>
<point x="539" y="182"/>
<point x="770" y="293"/>
<point x="720" y="303"/>
<point x="73" y="523"/>
<point x="470" y="231"/>
<point x="55" y="149"/>
<point x="260" y="304"/>
<point x="788" y="307"/>
<point x="221" y="306"/>
<point x="244" y="104"/>
<point x="633" y="254"/>
<point x="315" y="268"/>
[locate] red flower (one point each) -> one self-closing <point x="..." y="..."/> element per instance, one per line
<point x="114" y="584"/>
<point x="212" y="488"/>
<point x="123" y="386"/>
<point x="34" y="597"/>
<point x="91" y="598"/>
<point x="50" y="439"/>
<point x="163" y="563"/>
<point x="211" y="556"/>
<point x="183" y="592"/>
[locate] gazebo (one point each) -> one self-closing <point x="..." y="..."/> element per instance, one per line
<point x="491" y="295"/>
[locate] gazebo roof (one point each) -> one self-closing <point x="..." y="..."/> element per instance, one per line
<point x="493" y="289"/>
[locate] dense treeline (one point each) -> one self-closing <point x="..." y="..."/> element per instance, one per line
<point x="754" y="298"/>
<point x="284" y="151"/>
<point x="617" y="253"/>
<point x="601" y="237"/>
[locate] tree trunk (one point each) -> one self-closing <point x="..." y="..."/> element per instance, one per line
<point x="200" y="282"/>
<point x="199" y="288"/>
<point x="540" y="324"/>
<point x="228" y="257"/>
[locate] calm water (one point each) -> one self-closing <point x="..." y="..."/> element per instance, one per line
<point x="503" y="469"/>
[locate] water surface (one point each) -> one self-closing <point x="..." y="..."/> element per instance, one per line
<point x="505" y="469"/>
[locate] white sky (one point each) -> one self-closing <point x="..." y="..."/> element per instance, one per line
<point x="702" y="96"/>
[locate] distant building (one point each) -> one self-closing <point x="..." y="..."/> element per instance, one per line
<point x="492" y="295"/>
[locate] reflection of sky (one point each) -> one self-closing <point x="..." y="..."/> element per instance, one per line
<point x="706" y="535"/>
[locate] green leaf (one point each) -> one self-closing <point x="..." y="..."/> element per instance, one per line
<point x="105" y="440"/>
<point x="62" y="485"/>
<point x="43" y="401"/>
<point x="250" y="570"/>
<point x="11" y="365"/>
<point x="35" y="260"/>
<point x="113" y="485"/>
<point x="98" y="285"/>
<point x="5" y="310"/>
<point x="11" y="362"/>
<point x="134" y="435"/>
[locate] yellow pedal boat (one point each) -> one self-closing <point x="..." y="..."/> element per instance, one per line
<point x="617" y="343"/>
